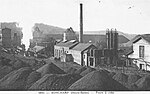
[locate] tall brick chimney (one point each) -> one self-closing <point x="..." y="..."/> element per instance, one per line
<point x="81" y="24"/>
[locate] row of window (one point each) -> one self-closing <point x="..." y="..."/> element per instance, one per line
<point x="59" y="53"/>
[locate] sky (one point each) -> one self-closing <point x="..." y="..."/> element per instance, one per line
<point x="128" y="16"/>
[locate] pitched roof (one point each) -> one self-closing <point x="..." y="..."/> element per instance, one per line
<point x="137" y="38"/>
<point x="93" y="38"/>
<point x="36" y="48"/>
<point x="144" y="36"/>
<point x="69" y="44"/>
<point x="82" y="46"/>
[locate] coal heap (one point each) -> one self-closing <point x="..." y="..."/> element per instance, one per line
<point x="71" y="70"/>
<point x="55" y="82"/>
<point x="111" y="74"/>
<point x="143" y="83"/>
<point x="121" y="77"/>
<point x="97" y="80"/>
<point x="45" y="83"/>
<point x="50" y="68"/>
<point x="81" y="70"/>
<point x="15" y="80"/>
<point x="5" y="70"/>
<point x="19" y="64"/>
<point x="64" y="81"/>
<point x="133" y="78"/>
<point x="32" y="78"/>
<point x="88" y="70"/>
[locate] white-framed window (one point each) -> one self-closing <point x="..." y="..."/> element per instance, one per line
<point x="141" y="51"/>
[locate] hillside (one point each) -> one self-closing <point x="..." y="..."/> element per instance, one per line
<point x="103" y="32"/>
<point x="48" y="29"/>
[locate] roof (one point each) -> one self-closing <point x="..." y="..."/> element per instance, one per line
<point x="69" y="44"/>
<point x="144" y="36"/>
<point x="93" y="38"/>
<point x="36" y="48"/>
<point x="137" y="38"/>
<point x="82" y="46"/>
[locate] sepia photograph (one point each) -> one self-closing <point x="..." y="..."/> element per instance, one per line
<point x="74" y="46"/>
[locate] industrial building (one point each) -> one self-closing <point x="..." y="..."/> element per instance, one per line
<point x="63" y="48"/>
<point x="81" y="54"/>
<point x="11" y="35"/>
<point x="140" y="53"/>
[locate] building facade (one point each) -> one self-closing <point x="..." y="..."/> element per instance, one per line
<point x="81" y="54"/>
<point x="63" y="48"/>
<point x="141" y="52"/>
<point x="6" y="37"/>
<point x="11" y="34"/>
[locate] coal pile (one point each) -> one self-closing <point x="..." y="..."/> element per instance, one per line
<point x="15" y="80"/>
<point x="37" y="64"/>
<point x="50" y="68"/>
<point x="32" y="78"/>
<point x="105" y="71"/>
<point x="80" y="70"/>
<point x="5" y="70"/>
<point x="1" y="63"/>
<point x="64" y="81"/>
<point x="5" y="61"/>
<point x="97" y="80"/>
<point x="45" y="83"/>
<point x="71" y="70"/>
<point x="88" y="70"/>
<point x="19" y="64"/>
<point x="143" y="83"/>
<point x="111" y="74"/>
<point x="55" y="82"/>
<point x="121" y="77"/>
<point x="133" y="78"/>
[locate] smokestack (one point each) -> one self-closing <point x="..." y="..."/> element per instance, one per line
<point x="116" y="40"/>
<point x="81" y="24"/>
<point x="108" y="38"/>
<point x="111" y="39"/>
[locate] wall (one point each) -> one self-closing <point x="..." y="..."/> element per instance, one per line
<point x="6" y="37"/>
<point x="136" y="45"/>
<point x="135" y="54"/>
<point x="59" y="51"/>
<point x="76" y="55"/>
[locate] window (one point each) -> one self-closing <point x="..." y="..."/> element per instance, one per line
<point x="141" y="66"/>
<point x="83" y="56"/>
<point x="92" y="52"/>
<point x="141" y="51"/>
<point x="91" y="61"/>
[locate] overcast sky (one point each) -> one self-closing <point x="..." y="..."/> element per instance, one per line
<point x="128" y="16"/>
